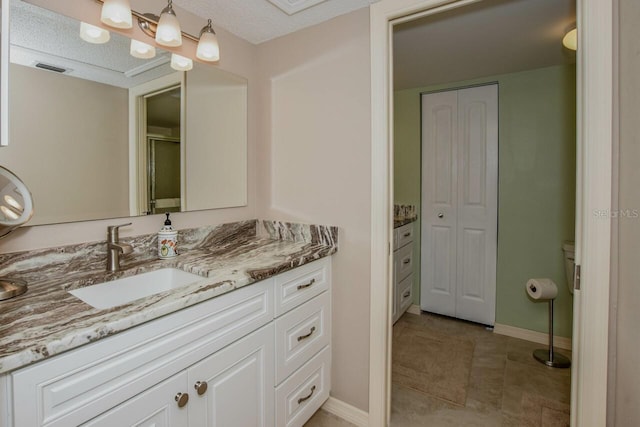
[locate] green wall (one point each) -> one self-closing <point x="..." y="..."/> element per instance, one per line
<point x="536" y="195"/>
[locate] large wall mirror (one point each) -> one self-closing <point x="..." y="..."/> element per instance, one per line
<point x="97" y="133"/>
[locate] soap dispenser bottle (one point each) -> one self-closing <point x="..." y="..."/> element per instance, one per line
<point x="167" y="240"/>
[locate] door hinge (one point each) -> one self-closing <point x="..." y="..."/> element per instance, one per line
<point x="576" y="277"/>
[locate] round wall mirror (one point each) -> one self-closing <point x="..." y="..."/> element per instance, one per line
<point x="16" y="208"/>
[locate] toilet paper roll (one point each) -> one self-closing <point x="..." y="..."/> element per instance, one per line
<point x="542" y="289"/>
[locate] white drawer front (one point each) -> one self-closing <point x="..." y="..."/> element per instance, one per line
<point x="403" y="259"/>
<point x="301" y="284"/>
<point x="71" y="388"/>
<point x="404" y="235"/>
<point x="405" y="294"/>
<point x="302" y="394"/>
<point x="301" y="333"/>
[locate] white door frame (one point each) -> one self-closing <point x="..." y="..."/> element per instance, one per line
<point x="593" y="232"/>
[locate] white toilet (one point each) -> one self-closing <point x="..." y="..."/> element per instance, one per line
<point x="569" y="248"/>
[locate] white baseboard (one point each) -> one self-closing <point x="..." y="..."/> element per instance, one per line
<point x="414" y="309"/>
<point x="347" y="412"/>
<point x="533" y="336"/>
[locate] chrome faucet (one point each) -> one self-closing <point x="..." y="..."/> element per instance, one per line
<point x="115" y="248"/>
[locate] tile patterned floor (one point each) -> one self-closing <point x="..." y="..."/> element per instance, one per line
<point x="506" y="386"/>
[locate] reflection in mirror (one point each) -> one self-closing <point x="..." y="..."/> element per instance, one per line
<point x="4" y="63"/>
<point x="110" y="135"/>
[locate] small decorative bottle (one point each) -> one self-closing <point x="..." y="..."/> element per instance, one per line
<point x="167" y="240"/>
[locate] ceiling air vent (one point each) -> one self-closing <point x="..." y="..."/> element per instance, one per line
<point x="50" y="67"/>
<point x="291" y="7"/>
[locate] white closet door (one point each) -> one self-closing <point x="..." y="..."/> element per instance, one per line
<point x="439" y="198"/>
<point x="459" y="203"/>
<point x="477" y="204"/>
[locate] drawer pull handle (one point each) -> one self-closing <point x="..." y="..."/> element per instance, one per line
<point x="406" y="294"/>
<point x="406" y="261"/>
<point x="306" y="285"/>
<point x="201" y="387"/>
<point x="302" y="399"/>
<point x="407" y="234"/>
<point x="304" y="337"/>
<point x="182" y="399"/>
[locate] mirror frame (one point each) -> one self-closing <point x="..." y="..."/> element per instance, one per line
<point x="4" y="73"/>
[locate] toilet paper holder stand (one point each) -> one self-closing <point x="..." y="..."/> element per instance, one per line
<point x="550" y="357"/>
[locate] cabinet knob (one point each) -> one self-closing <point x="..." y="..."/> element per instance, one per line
<point x="307" y="397"/>
<point x="306" y="285"/>
<point x="440" y="215"/>
<point x="201" y="387"/>
<point x="182" y="399"/>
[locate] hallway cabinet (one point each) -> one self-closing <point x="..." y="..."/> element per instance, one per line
<point x="460" y="203"/>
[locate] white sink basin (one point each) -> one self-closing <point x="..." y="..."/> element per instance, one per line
<point x="127" y="289"/>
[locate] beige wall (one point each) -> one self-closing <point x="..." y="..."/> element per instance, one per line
<point x="238" y="57"/>
<point x="627" y="347"/>
<point x="96" y="149"/>
<point x="315" y="167"/>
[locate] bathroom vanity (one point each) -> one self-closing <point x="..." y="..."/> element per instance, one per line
<point x="248" y="345"/>
<point x="402" y="268"/>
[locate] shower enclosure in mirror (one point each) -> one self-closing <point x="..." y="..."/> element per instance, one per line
<point x="97" y="133"/>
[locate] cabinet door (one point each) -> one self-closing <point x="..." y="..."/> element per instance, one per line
<point x="156" y="407"/>
<point x="235" y="386"/>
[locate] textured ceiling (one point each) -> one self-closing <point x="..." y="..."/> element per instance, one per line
<point x="486" y="38"/>
<point x="258" y="21"/>
<point x="39" y="35"/>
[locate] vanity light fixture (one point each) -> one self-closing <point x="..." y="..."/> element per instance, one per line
<point x="142" y="50"/>
<point x="165" y="29"/>
<point x="180" y="63"/>
<point x="92" y="34"/>
<point x="570" y="39"/>
<point x="208" y="48"/>
<point x="117" y="13"/>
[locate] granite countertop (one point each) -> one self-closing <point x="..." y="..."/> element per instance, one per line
<point x="48" y="320"/>
<point x="404" y="221"/>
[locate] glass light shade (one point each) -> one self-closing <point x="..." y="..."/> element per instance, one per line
<point x="208" y="49"/>
<point x="168" y="32"/>
<point x="116" y="13"/>
<point x="570" y="40"/>
<point x="92" y="34"/>
<point x="180" y="63"/>
<point x="142" y="50"/>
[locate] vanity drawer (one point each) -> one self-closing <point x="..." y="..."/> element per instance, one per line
<point x="300" y="334"/>
<point x="404" y="235"/>
<point x="73" y="387"/>
<point x="302" y="394"/>
<point x="301" y="284"/>
<point x="404" y="294"/>
<point x="403" y="263"/>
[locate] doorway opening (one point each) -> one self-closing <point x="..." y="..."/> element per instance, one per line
<point x="534" y="200"/>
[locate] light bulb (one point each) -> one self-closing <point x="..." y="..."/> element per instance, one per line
<point x="92" y="34"/>
<point x="13" y="203"/>
<point x="208" y="48"/>
<point x="116" y="13"/>
<point x="180" y="63"/>
<point x="570" y="40"/>
<point x="168" y="32"/>
<point x="9" y="213"/>
<point x="142" y="50"/>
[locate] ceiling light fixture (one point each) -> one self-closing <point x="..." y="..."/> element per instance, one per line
<point x="570" y="40"/>
<point x="142" y="50"/>
<point x="117" y="13"/>
<point x="92" y="34"/>
<point x="165" y="29"/>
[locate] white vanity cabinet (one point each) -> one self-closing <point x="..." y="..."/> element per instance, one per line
<point x="223" y="362"/>
<point x="402" y="269"/>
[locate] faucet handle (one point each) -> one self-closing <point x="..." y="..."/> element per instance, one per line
<point x="112" y="232"/>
